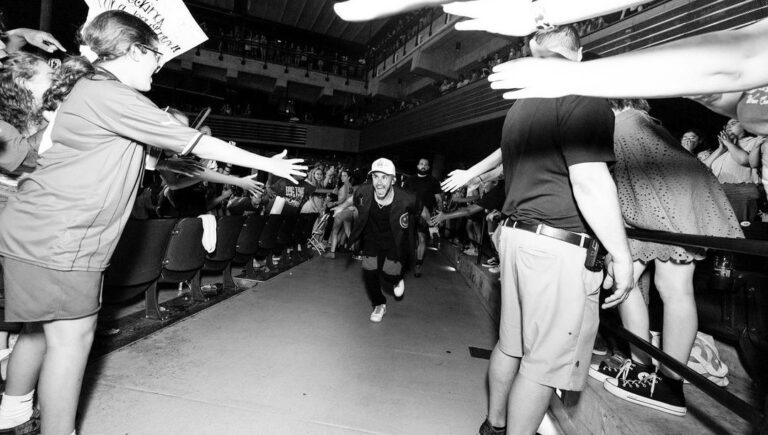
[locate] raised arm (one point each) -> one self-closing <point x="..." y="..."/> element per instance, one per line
<point x="521" y="17"/>
<point x="724" y="61"/>
<point x="460" y="177"/>
<point x="558" y="11"/>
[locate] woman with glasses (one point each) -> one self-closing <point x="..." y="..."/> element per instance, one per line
<point x="58" y="233"/>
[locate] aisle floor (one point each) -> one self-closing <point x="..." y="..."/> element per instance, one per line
<point x="298" y="355"/>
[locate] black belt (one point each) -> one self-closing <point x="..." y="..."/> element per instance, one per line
<point x="579" y="239"/>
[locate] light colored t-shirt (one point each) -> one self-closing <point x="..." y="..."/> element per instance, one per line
<point x="69" y="213"/>
<point x="727" y="170"/>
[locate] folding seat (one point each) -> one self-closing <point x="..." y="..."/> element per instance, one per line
<point x="268" y="238"/>
<point x="137" y="262"/>
<point x="248" y="241"/>
<point x="184" y="258"/>
<point x="228" y="230"/>
<point x="285" y="233"/>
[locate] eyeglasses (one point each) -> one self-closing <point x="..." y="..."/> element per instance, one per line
<point x="158" y="55"/>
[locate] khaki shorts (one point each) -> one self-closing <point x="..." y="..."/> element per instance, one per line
<point x="549" y="308"/>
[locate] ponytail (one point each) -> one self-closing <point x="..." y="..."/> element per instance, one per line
<point x="72" y="69"/>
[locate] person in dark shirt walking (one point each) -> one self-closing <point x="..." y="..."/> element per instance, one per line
<point x="427" y="190"/>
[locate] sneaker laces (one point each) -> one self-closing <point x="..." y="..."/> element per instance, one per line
<point x="644" y="380"/>
<point x="624" y="369"/>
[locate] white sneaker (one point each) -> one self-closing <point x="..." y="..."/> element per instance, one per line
<point x="399" y="289"/>
<point x="378" y="313"/>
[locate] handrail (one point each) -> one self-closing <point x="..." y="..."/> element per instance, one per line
<point x="737" y="405"/>
<point x="729" y="400"/>
<point x="741" y="246"/>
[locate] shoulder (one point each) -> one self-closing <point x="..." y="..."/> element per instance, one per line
<point x="101" y="93"/>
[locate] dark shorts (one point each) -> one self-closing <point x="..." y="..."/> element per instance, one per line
<point x="36" y="294"/>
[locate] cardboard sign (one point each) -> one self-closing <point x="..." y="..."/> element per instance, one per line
<point x="176" y="30"/>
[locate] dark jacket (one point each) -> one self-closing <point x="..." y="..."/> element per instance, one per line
<point x="402" y="218"/>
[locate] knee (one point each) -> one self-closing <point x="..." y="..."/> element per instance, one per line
<point x="71" y="333"/>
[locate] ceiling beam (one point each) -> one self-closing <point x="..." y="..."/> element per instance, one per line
<point x="318" y="15"/>
<point x="282" y="12"/>
<point x="301" y="12"/>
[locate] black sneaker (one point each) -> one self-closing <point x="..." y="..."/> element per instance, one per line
<point x="417" y="271"/>
<point x="487" y="429"/>
<point x="652" y="390"/>
<point x="618" y="367"/>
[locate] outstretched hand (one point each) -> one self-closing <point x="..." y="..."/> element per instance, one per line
<point x="287" y="168"/>
<point x="437" y="219"/>
<point x="250" y="184"/>
<point x="532" y="77"/>
<point x="456" y="180"/>
<point x="364" y="10"/>
<point x="40" y="39"/>
<point x="505" y="17"/>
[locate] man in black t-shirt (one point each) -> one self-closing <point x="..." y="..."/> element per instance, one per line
<point x="427" y="190"/>
<point x="385" y="224"/>
<point x="560" y="196"/>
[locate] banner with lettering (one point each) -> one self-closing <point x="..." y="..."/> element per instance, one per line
<point x="176" y="30"/>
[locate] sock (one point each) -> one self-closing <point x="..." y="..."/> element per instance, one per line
<point x="15" y="410"/>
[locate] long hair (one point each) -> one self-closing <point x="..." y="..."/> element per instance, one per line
<point x="72" y="69"/>
<point x="18" y="106"/>
<point x="110" y="35"/>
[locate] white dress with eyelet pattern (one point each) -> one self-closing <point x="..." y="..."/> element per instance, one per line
<point x="662" y="187"/>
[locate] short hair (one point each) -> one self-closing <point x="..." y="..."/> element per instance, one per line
<point x="112" y="33"/>
<point x="563" y="37"/>
<point x="630" y="103"/>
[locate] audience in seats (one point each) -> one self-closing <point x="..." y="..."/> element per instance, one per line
<point x="735" y="164"/>
<point x="343" y="218"/>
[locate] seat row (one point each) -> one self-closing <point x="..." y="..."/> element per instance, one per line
<point x="157" y="251"/>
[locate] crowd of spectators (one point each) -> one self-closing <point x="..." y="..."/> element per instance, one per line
<point x="740" y="163"/>
<point x="254" y="43"/>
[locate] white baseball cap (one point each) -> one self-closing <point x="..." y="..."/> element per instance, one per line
<point x="385" y="166"/>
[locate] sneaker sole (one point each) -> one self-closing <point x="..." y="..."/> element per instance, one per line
<point x="600" y="352"/>
<point x="376" y="320"/>
<point x="644" y="401"/>
<point x="597" y="374"/>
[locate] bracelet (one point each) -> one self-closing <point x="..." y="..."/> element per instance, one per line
<point x="539" y="17"/>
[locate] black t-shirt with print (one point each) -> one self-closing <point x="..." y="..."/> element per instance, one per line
<point x="295" y="194"/>
<point x="541" y="138"/>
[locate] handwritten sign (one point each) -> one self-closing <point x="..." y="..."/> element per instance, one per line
<point x="176" y="30"/>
